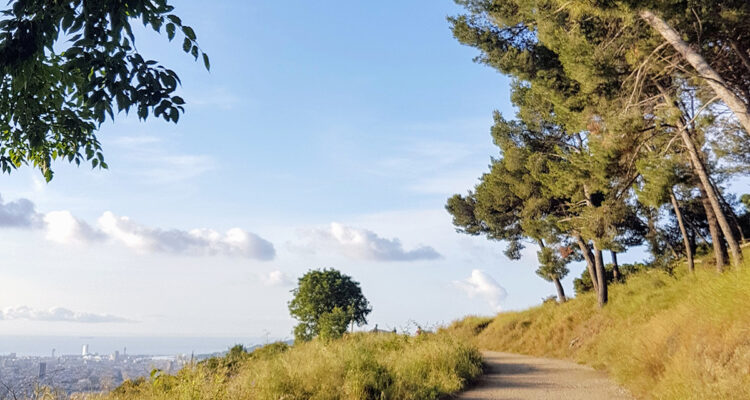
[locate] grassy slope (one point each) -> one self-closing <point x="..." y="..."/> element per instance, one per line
<point x="359" y="366"/>
<point x="663" y="337"/>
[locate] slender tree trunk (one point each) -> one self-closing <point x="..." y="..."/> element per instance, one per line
<point x="726" y="229"/>
<point x="615" y="266"/>
<point x="700" y="170"/>
<point x="560" y="291"/>
<point x="717" y="241"/>
<point x="601" y="276"/>
<point x="672" y="250"/>
<point x="692" y="238"/>
<point x="696" y="234"/>
<point x="586" y="251"/>
<point x="712" y="78"/>
<point x="683" y="230"/>
<point x="730" y="212"/>
<point x="652" y="236"/>
<point x="741" y="53"/>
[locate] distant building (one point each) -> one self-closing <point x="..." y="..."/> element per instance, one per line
<point x="85" y="350"/>
<point x="42" y="369"/>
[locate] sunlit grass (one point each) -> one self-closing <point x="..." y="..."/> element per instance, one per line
<point x="662" y="336"/>
<point x="359" y="366"/>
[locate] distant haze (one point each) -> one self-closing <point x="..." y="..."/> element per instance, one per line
<point x="41" y="346"/>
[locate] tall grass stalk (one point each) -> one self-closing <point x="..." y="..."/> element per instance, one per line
<point x="359" y="366"/>
<point x="662" y="336"/>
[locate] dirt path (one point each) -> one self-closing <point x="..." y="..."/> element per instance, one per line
<point x="512" y="376"/>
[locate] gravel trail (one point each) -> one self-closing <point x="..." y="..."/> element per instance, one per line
<point x="517" y="377"/>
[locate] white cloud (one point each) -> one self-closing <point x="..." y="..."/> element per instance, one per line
<point x="366" y="245"/>
<point x="447" y="183"/>
<point x="63" y="227"/>
<point x="235" y="242"/>
<point x="216" y="97"/>
<point x="276" y="278"/>
<point x="435" y="166"/>
<point x="154" y="161"/>
<point x="57" y="314"/>
<point x="177" y="168"/>
<point x="480" y="284"/>
<point x="20" y="213"/>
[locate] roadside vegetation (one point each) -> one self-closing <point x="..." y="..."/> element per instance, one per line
<point x="630" y="120"/>
<point x="663" y="335"/>
<point x="357" y="366"/>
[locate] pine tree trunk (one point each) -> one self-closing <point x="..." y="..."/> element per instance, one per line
<point x="717" y="241"/>
<point x="652" y="236"/>
<point x="700" y="169"/>
<point x="589" y="261"/>
<point x="730" y="213"/>
<point x="560" y="291"/>
<point x="712" y="78"/>
<point x="702" y="173"/>
<point x="741" y="53"/>
<point x="615" y="266"/>
<point x="601" y="275"/>
<point x="683" y="230"/>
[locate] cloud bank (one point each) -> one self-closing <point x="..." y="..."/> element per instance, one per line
<point x="363" y="244"/>
<point x="480" y="284"/>
<point x="64" y="228"/>
<point x="276" y="279"/>
<point x="57" y="314"/>
<point x="235" y="242"/>
<point x="19" y="214"/>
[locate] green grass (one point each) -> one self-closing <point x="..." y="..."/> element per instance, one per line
<point x="661" y="336"/>
<point x="359" y="366"/>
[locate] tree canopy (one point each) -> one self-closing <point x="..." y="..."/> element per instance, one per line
<point x="619" y="122"/>
<point x="68" y="66"/>
<point x="326" y="302"/>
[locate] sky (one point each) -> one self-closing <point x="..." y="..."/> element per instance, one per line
<point x="327" y="134"/>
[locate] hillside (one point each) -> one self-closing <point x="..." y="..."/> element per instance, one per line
<point x="665" y="336"/>
<point x="358" y="366"/>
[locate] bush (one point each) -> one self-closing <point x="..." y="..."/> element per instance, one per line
<point x="583" y="284"/>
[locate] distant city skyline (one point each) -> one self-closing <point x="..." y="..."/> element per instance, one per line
<point x="67" y="346"/>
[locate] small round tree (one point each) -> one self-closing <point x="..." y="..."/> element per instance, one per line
<point x="326" y="302"/>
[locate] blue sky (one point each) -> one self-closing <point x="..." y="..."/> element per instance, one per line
<point x="332" y="131"/>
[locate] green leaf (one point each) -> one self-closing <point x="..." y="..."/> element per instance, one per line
<point x="174" y="114"/>
<point x="175" y="19"/>
<point x="187" y="45"/>
<point x="189" y="32"/>
<point x="206" y="62"/>
<point x="170" y="31"/>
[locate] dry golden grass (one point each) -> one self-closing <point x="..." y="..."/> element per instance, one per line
<point x="662" y="336"/>
<point x="360" y="366"/>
